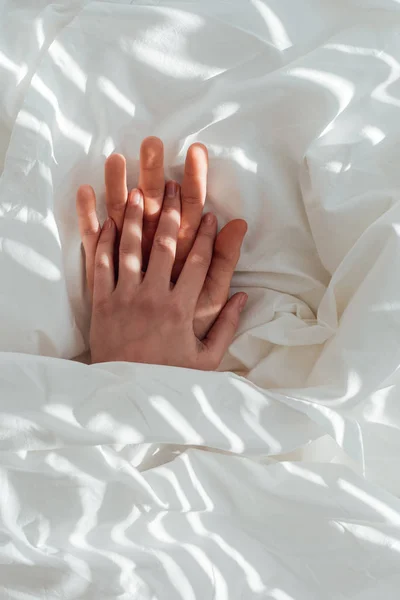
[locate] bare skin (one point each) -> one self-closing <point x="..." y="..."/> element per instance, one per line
<point x="158" y="272"/>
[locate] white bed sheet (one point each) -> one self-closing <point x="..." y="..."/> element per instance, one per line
<point x="149" y="482"/>
<point x="106" y="492"/>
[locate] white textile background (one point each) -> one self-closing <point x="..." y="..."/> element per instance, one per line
<point x="130" y="481"/>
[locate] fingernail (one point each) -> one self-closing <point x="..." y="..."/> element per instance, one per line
<point x="242" y="302"/>
<point x="107" y="224"/>
<point x="209" y="219"/>
<point x="135" y="197"/>
<point x="172" y="189"/>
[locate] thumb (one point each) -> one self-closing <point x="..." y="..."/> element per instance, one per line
<point x="222" y="332"/>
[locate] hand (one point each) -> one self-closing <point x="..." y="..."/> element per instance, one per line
<point x="226" y="253"/>
<point x="141" y="319"/>
<point x="215" y="292"/>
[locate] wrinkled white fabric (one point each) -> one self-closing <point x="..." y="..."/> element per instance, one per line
<point x="100" y="498"/>
<point x="137" y="481"/>
<point x="97" y="77"/>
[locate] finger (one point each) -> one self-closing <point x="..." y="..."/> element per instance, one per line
<point x="194" y="272"/>
<point x="152" y="183"/>
<point x="116" y="190"/>
<point x="104" y="275"/>
<point x="130" y="248"/>
<point x="194" y="189"/>
<point x="163" y="251"/>
<point x="222" y="333"/>
<point x="225" y="258"/>
<point x="89" y="228"/>
<point x="215" y="292"/>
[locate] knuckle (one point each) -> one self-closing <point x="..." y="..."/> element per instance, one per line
<point x="103" y="308"/>
<point x="102" y="263"/>
<point x="150" y="222"/>
<point x="125" y="249"/>
<point x="226" y="266"/>
<point x="123" y="301"/>
<point x="207" y="234"/>
<point x="226" y="258"/>
<point x="177" y="309"/>
<point x="187" y="233"/>
<point x="193" y="200"/>
<point x="104" y="247"/>
<point x="170" y="207"/>
<point x="105" y="236"/>
<point x="222" y="271"/>
<point x="200" y="260"/>
<point x="230" y="320"/>
<point x="153" y="192"/>
<point x="213" y="282"/>
<point x="116" y="206"/>
<point x="147" y="306"/>
<point x="163" y="243"/>
<point x="91" y="232"/>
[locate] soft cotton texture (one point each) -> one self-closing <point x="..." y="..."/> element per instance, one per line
<point x="136" y="481"/>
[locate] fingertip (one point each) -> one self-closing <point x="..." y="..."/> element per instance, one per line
<point x="151" y="144"/>
<point x="116" y="160"/>
<point x="196" y="160"/>
<point x="85" y="190"/>
<point x="241" y="225"/>
<point x="237" y="230"/>
<point x="198" y="149"/>
<point x="152" y="140"/>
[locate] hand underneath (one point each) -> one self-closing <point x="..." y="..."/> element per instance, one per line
<point x="142" y="316"/>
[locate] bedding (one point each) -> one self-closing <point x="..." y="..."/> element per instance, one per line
<point x="277" y="477"/>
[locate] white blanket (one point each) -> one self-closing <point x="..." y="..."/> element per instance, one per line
<point x="129" y="481"/>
